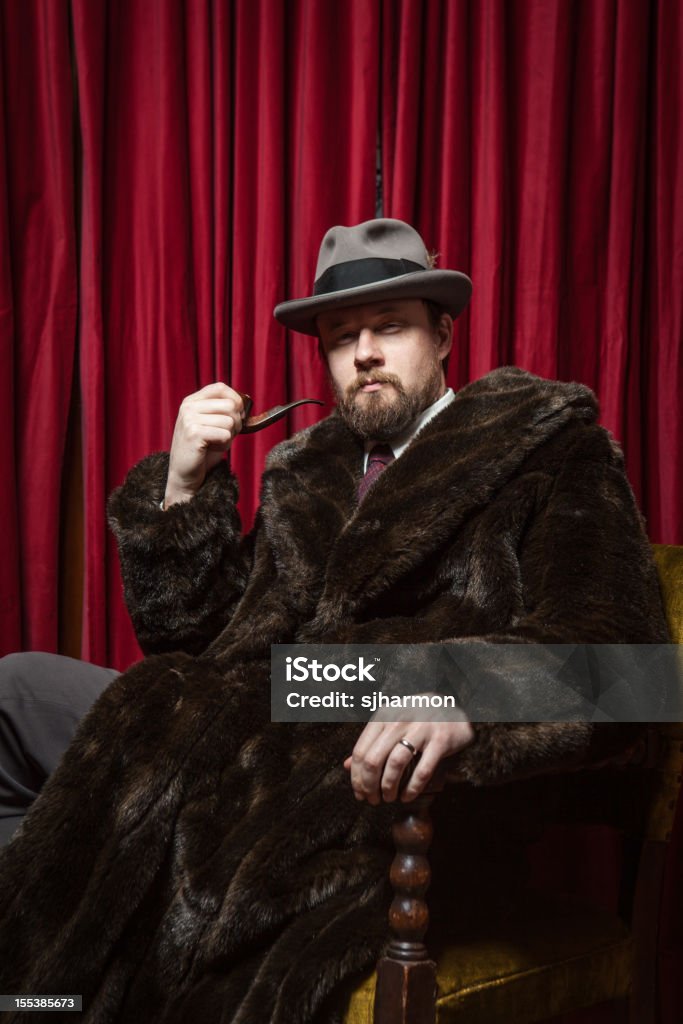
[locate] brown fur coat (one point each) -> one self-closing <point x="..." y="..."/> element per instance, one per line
<point x="190" y="860"/>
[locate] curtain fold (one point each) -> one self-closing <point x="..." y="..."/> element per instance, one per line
<point x="38" y="309"/>
<point x="144" y="300"/>
<point x="10" y="573"/>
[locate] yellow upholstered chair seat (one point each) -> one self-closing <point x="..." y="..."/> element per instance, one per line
<point x="535" y="963"/>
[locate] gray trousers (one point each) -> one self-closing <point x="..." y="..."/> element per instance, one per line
<point x="43" y="697"/>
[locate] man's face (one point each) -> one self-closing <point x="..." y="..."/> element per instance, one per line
<point x="384" y="360"/>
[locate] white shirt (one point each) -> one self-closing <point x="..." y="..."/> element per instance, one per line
<point x="400" y="442"/>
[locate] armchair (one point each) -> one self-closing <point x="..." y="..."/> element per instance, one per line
<point x="561" y="955"/>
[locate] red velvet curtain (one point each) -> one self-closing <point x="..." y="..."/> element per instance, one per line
<point x="153" y="82"/>
<point x="203" y="205"/>
<point x="535" y="145"/>
<point x="539" y="146"/>
<point x="38" y="312"/>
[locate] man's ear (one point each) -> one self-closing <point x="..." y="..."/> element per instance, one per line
<point x="444" y="333"/>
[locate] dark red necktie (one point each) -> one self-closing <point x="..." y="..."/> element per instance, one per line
<point x="379" y="458"/>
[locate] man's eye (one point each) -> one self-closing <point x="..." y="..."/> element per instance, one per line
<point x="390" y="327"/>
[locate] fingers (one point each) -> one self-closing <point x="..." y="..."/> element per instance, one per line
<point x="443" y="740"/>
<point x="216" y="390"/>
<point x="399" y="759"/>
<point x="423" y="771"/>
<point x="214" y="398"/>
<point x="214" y="426"/>
<point x="379" y="759"/>
<point x="216" y="406"/>
<point x="207" y="423"/>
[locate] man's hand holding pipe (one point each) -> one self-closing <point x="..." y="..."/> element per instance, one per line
<point x="207" y="423"/>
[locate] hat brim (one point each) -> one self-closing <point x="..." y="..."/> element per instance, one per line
<point x="448" y="288"/>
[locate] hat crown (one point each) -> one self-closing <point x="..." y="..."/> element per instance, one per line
<point x="383" y="238"/>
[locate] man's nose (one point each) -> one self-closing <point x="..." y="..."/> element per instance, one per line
<point x="368" y="349"/>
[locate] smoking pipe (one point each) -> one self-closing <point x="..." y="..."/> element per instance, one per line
<point x="264" y="419"/>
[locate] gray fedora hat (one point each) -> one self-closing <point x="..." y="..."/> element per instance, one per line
<point x="369" y="262"/>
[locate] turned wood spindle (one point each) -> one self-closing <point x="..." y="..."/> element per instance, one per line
<point x="406" y="978"/>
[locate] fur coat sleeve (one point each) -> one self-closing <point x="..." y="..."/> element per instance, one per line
<point x="183" y="569"/>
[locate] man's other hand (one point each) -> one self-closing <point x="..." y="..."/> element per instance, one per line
<point x="379" y="759"/>
<point x="207" y="422"/>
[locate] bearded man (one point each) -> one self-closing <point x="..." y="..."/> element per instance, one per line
<point x="191" y="859"/>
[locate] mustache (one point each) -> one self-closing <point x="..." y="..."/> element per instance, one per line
<point x="373" y="377"/>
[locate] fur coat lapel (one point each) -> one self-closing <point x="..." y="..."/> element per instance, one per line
<point x="450" y="469"/>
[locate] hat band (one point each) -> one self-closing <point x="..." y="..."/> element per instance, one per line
<point x="355" y="273"/>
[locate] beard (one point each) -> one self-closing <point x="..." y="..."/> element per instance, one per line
<point x="381" y="415"/>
